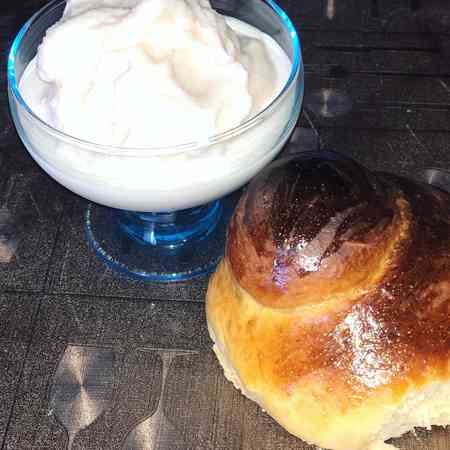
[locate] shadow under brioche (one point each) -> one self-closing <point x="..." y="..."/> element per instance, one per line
<point x="331" y="308"/>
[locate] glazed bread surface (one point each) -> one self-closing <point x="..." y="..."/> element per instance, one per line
<point x="331" y="308"/>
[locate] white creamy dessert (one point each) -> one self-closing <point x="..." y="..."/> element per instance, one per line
<point x="150" y="75"/>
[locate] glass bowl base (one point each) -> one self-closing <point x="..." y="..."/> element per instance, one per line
<point x="173" y="246"/>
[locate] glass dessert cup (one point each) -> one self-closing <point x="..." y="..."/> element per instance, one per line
<point x="156" y="213"/>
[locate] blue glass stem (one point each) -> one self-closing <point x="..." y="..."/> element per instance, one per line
<point x="170" y="229"/>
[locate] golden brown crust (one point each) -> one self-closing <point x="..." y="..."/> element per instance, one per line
<point x="321" y="221"/>
<point x="369" y="322"/>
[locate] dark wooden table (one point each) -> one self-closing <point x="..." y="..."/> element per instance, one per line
<point x="112" y="363"/>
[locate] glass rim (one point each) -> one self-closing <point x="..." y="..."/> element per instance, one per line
<point x="167" y="149"/>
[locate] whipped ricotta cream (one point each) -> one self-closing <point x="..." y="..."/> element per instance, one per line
<point x="149" y="73"/>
